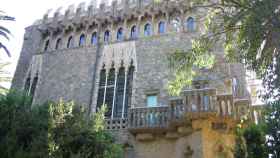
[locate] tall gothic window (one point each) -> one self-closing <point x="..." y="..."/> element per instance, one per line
<point x="106" y="36"/>
<point x="82" y="40"/>
<point x="47" y="45"/>
<point x="190" y="24"/>
<point x="148" y="30"/>
<point x="120" y="34"/>
<point x="101" y="90"/>
<point x="110" y="88"/>
<point x="58" y="43"/>
<point x="34" y="85"/>
<point x="161" y="27"/>
<point x="94" y="38"/>
<point x="119" y="93"/>
<point x="133" y="33"/>
<point x="70" y="42"/>
<point x="116" y="89"/>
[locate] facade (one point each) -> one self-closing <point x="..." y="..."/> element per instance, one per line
<point x="118" y="55"/>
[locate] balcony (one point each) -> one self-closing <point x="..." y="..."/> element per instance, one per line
<point x="192" y="105"/>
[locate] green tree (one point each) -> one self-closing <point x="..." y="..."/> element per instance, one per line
<point x="248" y="30"/>
<point x="4" y="32"/>
<point x="251" y="142"/>
<point x="272" y="121"/>
<point x="56" y="130"/>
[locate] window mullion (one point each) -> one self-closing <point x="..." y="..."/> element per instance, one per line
<point x="124" y="92"/>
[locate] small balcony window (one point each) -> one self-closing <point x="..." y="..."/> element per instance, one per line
<point x="82" y="41"/>
<point x="94" y="38"/>
<point x="133" y="34"/>
<point x="106" y="36"/>
<point x="120" y="34"/>
<point x="190" y="24"/>
<point x="152" y="100"/>
<point x="161" y="27"/>
<point x="148" y="30"/>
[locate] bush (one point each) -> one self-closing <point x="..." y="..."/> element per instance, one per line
<point x="56" y="130"/>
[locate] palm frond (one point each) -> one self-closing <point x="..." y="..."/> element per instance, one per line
<point x="3" y="29"/>
<point x="8" y="18"/>
<point x="5" y="49"/>
<point x="4" y="34"/>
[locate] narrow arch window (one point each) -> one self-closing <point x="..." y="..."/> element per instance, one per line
<point x="120" y="34"/>
<point x="106" y="36"/>
<point x="101" y="90"/>
<point x="27" y="83"/>
<point x="148" y="30"/>
<point x="128" y="91"/>
<point x="58" y="43"/>
<point x="82" y="41"/>
<point x="133" y="32"/>
<point x="190" y="24"/>
<point x="70" y="42"/>
<point x="34" y="85"/>
<point x="161" y="27"/>
<point x="110" y="88"/>
<point x="176" y="24"/>
<point x="94" y="38"/>
<point x="119" y="93"/>
<point x="47" y="45"/>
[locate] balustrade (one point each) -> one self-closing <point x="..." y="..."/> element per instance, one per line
<point x="225" y="106"/>
<point x="192" y="102"/>
<point x="152" y="117"/>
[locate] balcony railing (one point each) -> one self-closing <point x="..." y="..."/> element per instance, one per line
<point x="193" y="104"/>
<point x="148" y="118"/>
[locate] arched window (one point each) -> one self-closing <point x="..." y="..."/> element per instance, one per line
<point x="128" y="91"/>
<point x="148" y="30"/>
<point x="34" y="85"/>
<point x="47" y="45"/>
<point x="175" y="23"/>
<point x="70" y="42"/>
<point x="110" y="88"/>
<point x="94" y="38"/>
<point x="27" y="83"/>
<point x="161" y="27"/>
<point x="190" y="24"/>
<point x="82" y="40"/>
<point x="101" y="90"/>
<point x="106" y="36"/>
<point x="119" y="93"/>
<point x="120" y="34"/>
<point x="58" y="43"/>
<point x="133" y="32"/>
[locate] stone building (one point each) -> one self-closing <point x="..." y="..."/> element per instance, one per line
<point x="117" y="54"/>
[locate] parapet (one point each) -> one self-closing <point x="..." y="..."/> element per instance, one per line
<point x="117" y="8"/>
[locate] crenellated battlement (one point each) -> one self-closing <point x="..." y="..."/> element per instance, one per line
<point x="118" y="9"/>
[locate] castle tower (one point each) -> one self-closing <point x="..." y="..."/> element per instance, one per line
<point x="117" y="55"/>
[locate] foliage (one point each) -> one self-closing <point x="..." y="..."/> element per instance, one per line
<point x="248" y="30"/>
<point x="58" y="130"/>
<point x="188" y="63"/>
<point x="250" y="142"/>
<point x="22" y="128"/>
<point x="4" y="32"/>
<point x="4" y="77"/>
<point x="272" y="121"/>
